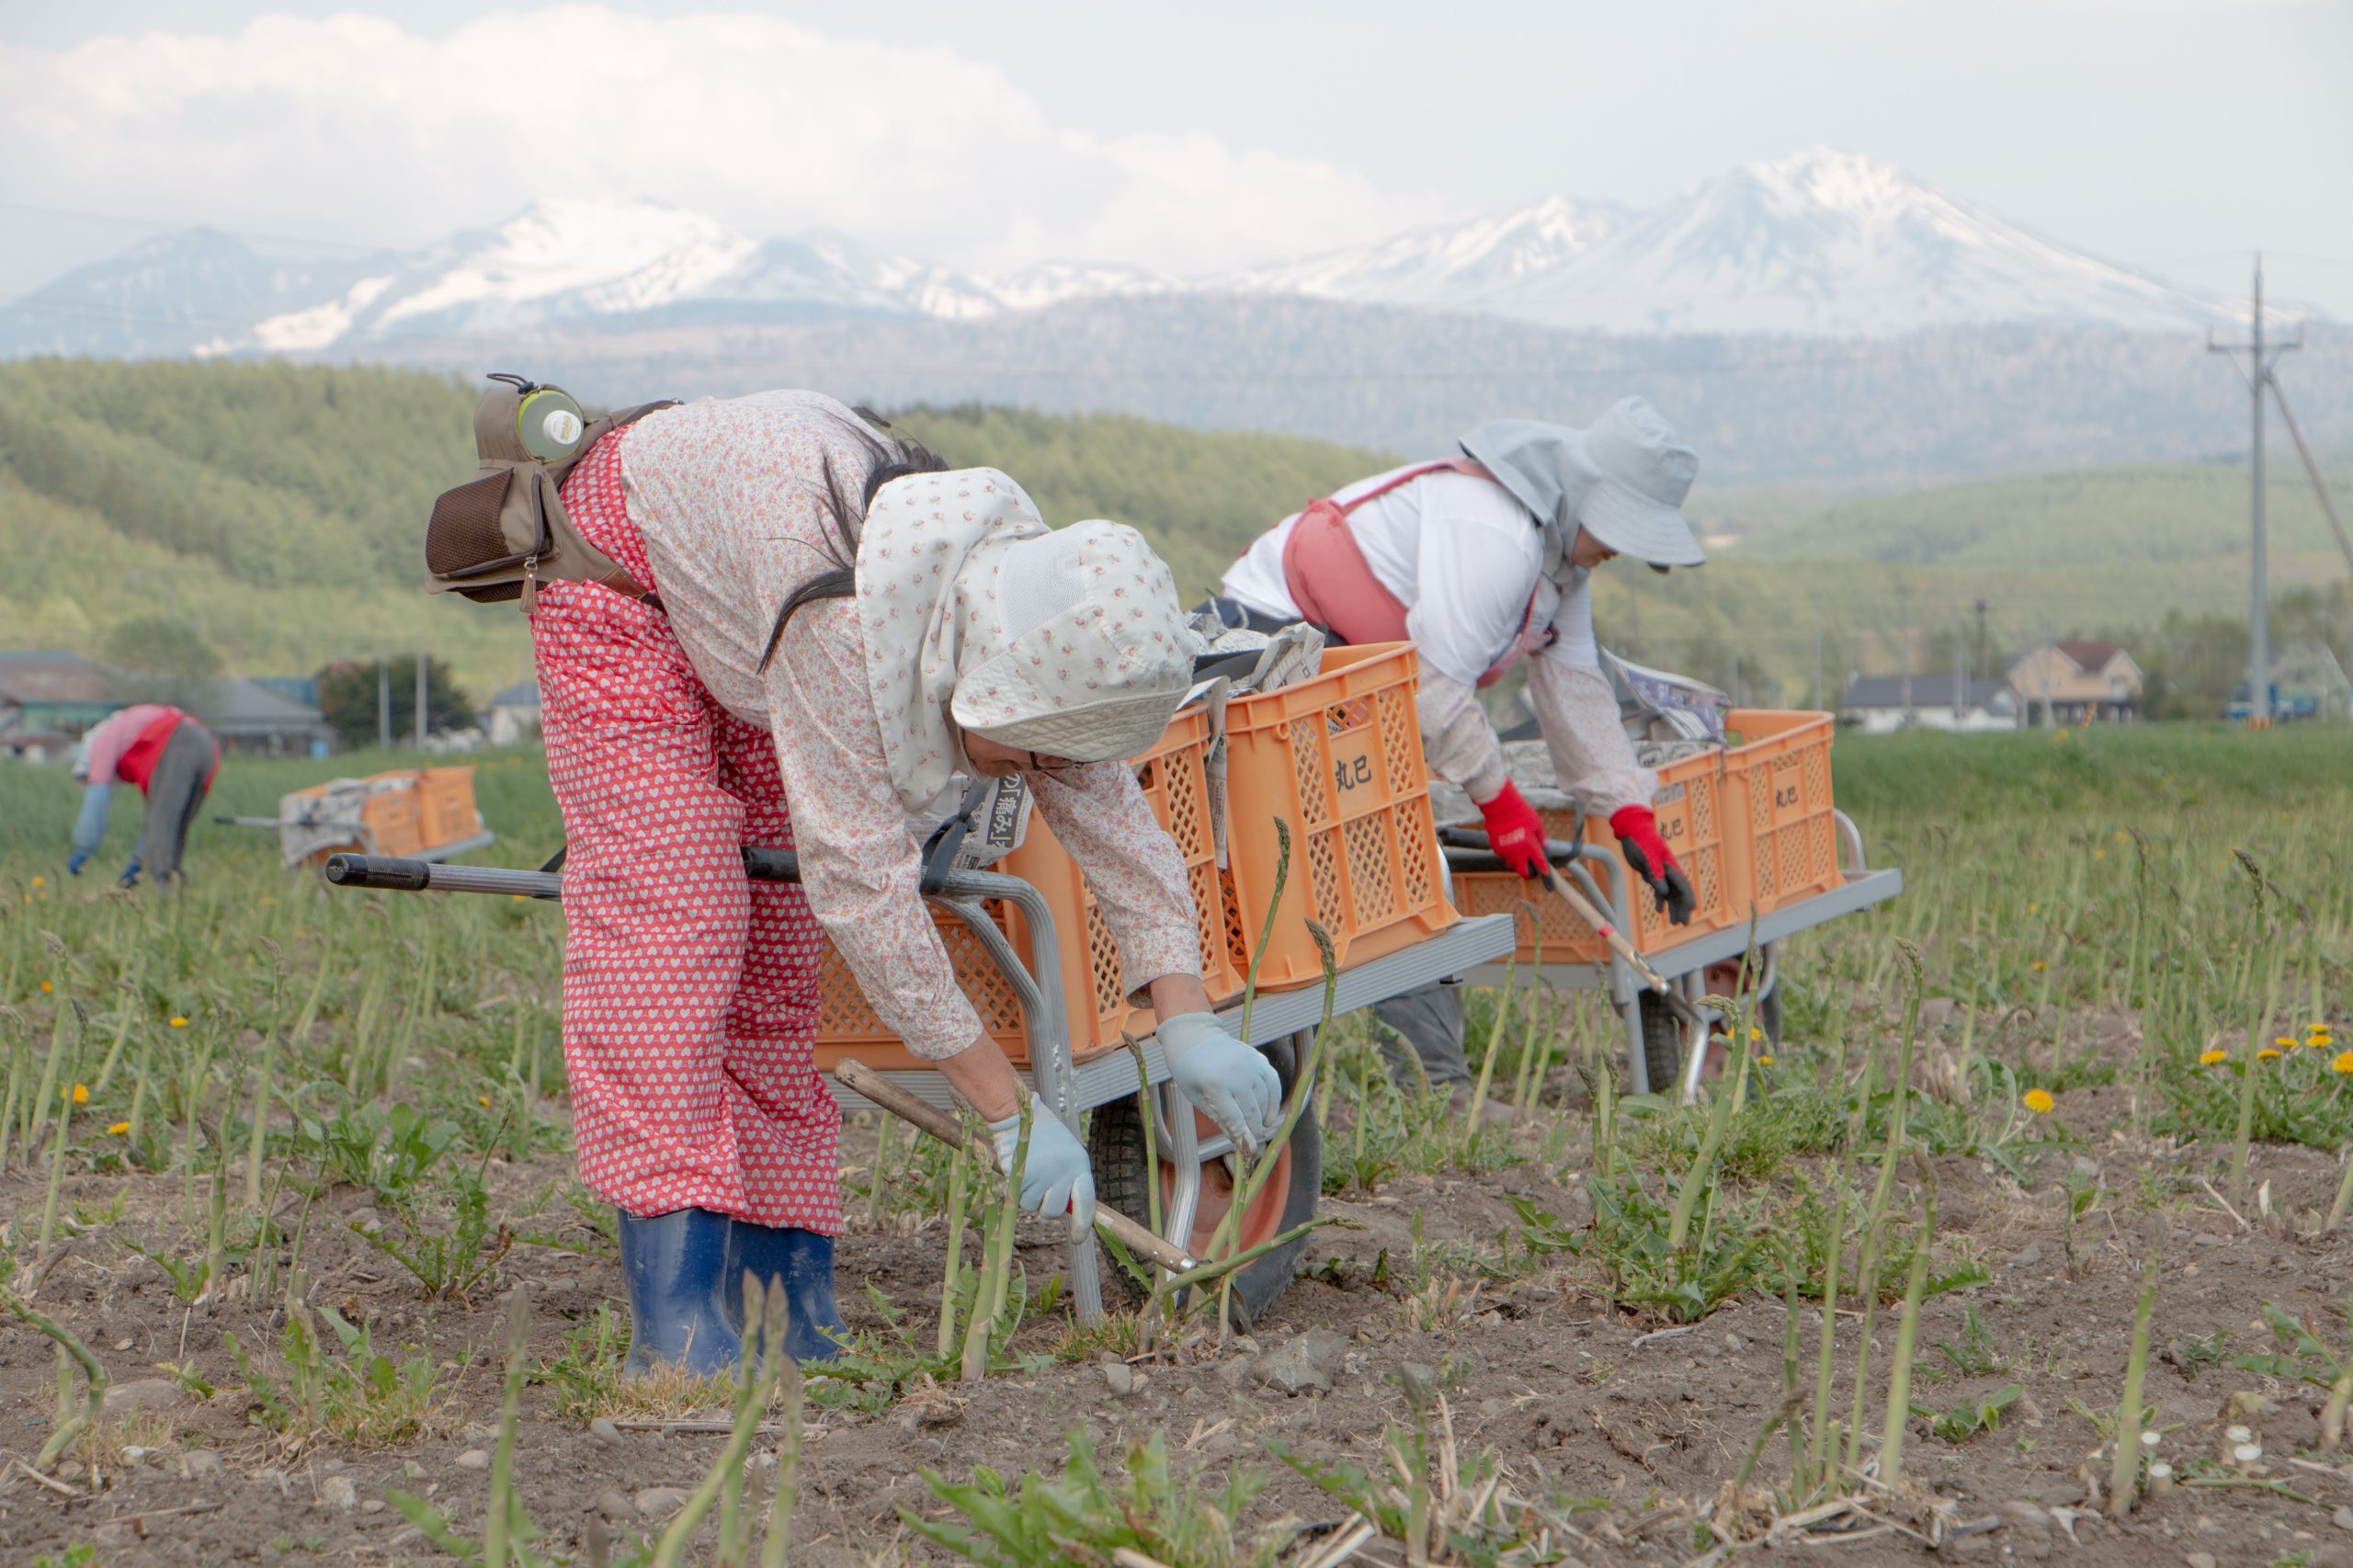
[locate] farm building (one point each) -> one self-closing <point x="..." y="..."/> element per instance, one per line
<point x="514" y="714"/>
<point x="1878" y="705"/>
<point x="52" y="693"/>
<point x="2072" y="682"/>
<point x="260" y="720"/>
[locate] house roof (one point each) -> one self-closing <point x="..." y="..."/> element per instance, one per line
<point x="1927" y="691"/>
<point x="44" y="676"/>
<point x="522" y="694"/>
<point x="235" y="707"/>
<point x="2088" y="657"/>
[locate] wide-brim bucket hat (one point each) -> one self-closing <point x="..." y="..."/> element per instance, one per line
<point x="1623" y="479"/>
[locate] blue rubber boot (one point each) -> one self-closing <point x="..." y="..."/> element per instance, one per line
<point x="804" y="1260"/>
<point x="674" y="1264"/>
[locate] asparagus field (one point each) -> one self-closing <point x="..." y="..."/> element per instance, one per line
<point x="2026" y="1239"/>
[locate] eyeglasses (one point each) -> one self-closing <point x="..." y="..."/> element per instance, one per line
<point x="1053" y="768"/>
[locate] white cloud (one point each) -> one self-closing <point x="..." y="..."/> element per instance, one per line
<point x="353" y="126"/>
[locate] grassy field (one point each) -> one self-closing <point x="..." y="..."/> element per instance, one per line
<point x="272" y="1155"/>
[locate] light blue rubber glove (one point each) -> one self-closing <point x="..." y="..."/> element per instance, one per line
<point x="1233" y="1084"/>
<point x="1056" y="1175"/>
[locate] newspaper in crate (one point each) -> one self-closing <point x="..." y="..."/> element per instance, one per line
<point x="1000" y="820"/>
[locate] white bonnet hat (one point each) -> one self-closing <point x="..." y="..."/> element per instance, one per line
<point x="1093" y="654"/>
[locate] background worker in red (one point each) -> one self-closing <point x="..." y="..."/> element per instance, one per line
<point x="170" y="759"/>
<point x="841" y="637"/>
<point x="1485" y="561"/>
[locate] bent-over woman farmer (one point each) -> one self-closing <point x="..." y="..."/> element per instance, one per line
<point x="840" y="631"/>
<point x="170" y="759"/>
<point x="1485" y="561"/>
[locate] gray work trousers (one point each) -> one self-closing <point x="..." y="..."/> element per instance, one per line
<point x="1430" y="1021"/>
<point x="175" y="791"/>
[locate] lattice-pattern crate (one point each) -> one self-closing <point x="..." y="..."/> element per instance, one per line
<point x="1095" y="992"/>
<point x="1338" y="760"/>
<point x="1689" y="806"/>
<point x="1779" y="776"/>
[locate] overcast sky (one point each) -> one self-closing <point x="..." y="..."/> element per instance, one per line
<point x="2175" y="135"/>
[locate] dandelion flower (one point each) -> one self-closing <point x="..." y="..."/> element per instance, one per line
<point x="2285" y="1042"/>
<point x="41" y="881"/>
<point x="178" y="1022"/>
<point x="2032" y="907"/>
<point x="1755" y="1034"/>
<point x="2210" y="1058"/>
<point x="46" y="988"/>
<point x="2343" y="1064"/>
<point x="120" y="1129"/>
<point x="79" y="1094"/>
<point x="484" y="1099"/>
<point x="1764" y="1059"/>
<point x="2037" y="1101"/>
<point x="2100" y="854"/>
<point x="2269" y="1053"/>
<point x="2040" y="966"/>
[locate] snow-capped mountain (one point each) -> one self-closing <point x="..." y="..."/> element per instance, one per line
<point x="1824" y="243"/>
<point x="1488" y="265"/>
<point x="1829" y="243"/>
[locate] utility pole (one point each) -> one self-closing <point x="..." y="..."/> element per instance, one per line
<point x="2258" y="374"/>
<point x="1818" y="692"/>
<point x="420" y="699"/>
<point x="1903" y="603"/>
<point x="1984" y="648"/>
<point x="1959" y="675"/>
<point x="384" y="704"/>
<point x="2050" y="652"/>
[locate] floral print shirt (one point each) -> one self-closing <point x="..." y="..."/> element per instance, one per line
<point x="730" y="499"/>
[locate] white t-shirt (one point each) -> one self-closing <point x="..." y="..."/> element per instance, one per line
<point x="1463" y="556"/>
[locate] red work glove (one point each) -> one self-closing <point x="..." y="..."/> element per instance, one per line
<point x="1514" y="831"/>
<point x="1647" y="853"/>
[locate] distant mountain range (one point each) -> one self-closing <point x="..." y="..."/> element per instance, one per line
<point x="1824" y="243"/>
<point x="1821" y="319"/>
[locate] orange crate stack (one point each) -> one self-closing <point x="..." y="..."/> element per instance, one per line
<point x="1338" y="759"/>
<point x="1173" y="778"/>
<point x="1693" y="820"/>
<point x="446" y="805"/>
<point x="1777" y="780"/>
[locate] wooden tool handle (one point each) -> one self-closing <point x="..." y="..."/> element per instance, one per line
<point x="866" y="1081"/>
<point x="1600" y="922"/>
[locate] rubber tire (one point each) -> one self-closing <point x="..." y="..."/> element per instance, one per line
<point x="1115" y="1149"/>
<point x="1769" y="1015"/>
<point x="1662" y="1041"/>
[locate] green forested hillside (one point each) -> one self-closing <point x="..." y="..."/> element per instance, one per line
<point x="278" y="510"/>
<point x="2094" y="518"/>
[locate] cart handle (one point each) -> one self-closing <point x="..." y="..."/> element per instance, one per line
<point x="394" y="873"/>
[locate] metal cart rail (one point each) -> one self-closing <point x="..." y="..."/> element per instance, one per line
<point x="1685" y="964"/>
<point x="1067" y="1087"/>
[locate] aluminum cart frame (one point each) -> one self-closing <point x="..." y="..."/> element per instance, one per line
<point x="1067" y="1088"/>
<point x="1684" y="965"/>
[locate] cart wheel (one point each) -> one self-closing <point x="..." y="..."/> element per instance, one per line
<point x="1662" y="1041"/>
<point x="1769" y="1015"/>
<point x="1115" y="1147"/>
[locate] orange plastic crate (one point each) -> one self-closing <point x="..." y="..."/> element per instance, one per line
<point x="446" y="810"/>
<point x="1695" y="823"/>
<point x="1338" y="759"/>
<point x="1778" y="781"/>
<point x="390" y="820"/>
<point x="1095" y="992"/>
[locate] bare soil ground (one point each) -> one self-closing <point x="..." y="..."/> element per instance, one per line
<point x="1574" y="1397"/>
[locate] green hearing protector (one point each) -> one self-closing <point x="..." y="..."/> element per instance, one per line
<point x="547" y="421"/>
<point x="551" y="424"/>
